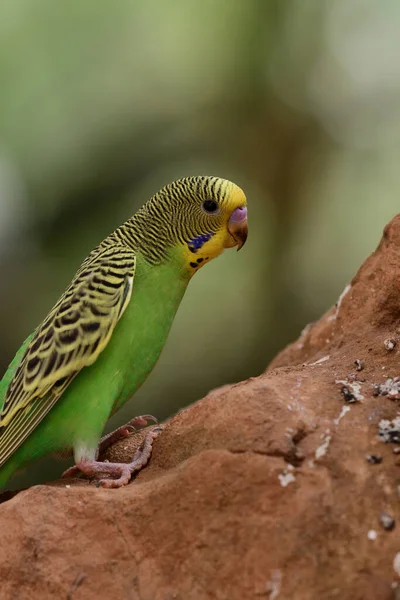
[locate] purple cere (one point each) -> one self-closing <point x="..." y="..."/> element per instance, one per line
<point x="239" y="214"/>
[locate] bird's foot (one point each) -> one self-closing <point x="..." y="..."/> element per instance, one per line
<point x="140" y="460"/>
<point x="123" y="432"/>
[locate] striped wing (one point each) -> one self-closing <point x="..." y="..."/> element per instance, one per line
<point x="71" y="337"/>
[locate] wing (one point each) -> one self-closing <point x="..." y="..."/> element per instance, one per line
<point x="71" y="337"/>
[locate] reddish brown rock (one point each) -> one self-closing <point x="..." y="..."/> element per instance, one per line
<point x="260" y="490"/>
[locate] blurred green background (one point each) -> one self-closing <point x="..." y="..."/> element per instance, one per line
<point x="103" y="103"/>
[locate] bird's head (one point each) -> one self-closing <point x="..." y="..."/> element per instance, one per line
<point x="195" y="218"/>
<point x="210" y="214"/>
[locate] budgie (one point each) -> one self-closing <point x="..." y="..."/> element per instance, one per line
<point x="102" y="338"/>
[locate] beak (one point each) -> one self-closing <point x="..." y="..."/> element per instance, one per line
<point x="237" y="226"/>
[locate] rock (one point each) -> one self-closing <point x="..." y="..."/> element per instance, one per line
<point x="260" y="490"/>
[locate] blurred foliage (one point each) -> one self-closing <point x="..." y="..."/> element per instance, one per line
<point x="103" y="103"/>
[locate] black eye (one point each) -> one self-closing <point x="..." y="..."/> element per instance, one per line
<point x="210" y="206"/>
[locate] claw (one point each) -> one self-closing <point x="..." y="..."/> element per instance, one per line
<point x="142" y="421"/>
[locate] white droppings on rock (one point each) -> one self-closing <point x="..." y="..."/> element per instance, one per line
<point x="372" y="535"/>
<point x="342" y="295"/>
<point x="390" y="344"/>
<point x="287" y="476"/>
<point x="386" y="520"/>
<point x="274" y="584"/>
<point x="396" y="564"/>
<point x="345" y="410"/>
<point x="295" y="400"/>
<point x="323" y="448"/>
<point x="389" y="431"/>
<point x="354" y="387"/>
<point x="317" y="362"/>
<point x="390" y="388"/>
<point x="359" y="364"/>
<point x="303" y="333"/>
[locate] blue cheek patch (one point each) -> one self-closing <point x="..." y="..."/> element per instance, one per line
<point x="199" y="241"/>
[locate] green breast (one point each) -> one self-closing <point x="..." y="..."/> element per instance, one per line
<point x="141" y="333"/>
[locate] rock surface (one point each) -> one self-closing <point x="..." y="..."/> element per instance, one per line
<point x="260" y="490"/>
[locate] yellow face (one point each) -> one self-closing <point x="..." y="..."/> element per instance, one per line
<point x="223" y="225"/>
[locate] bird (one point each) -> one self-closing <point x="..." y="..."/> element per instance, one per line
<point x="102" y="338"/>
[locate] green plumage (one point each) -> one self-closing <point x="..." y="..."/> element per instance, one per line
<point x="104" y="335"/>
